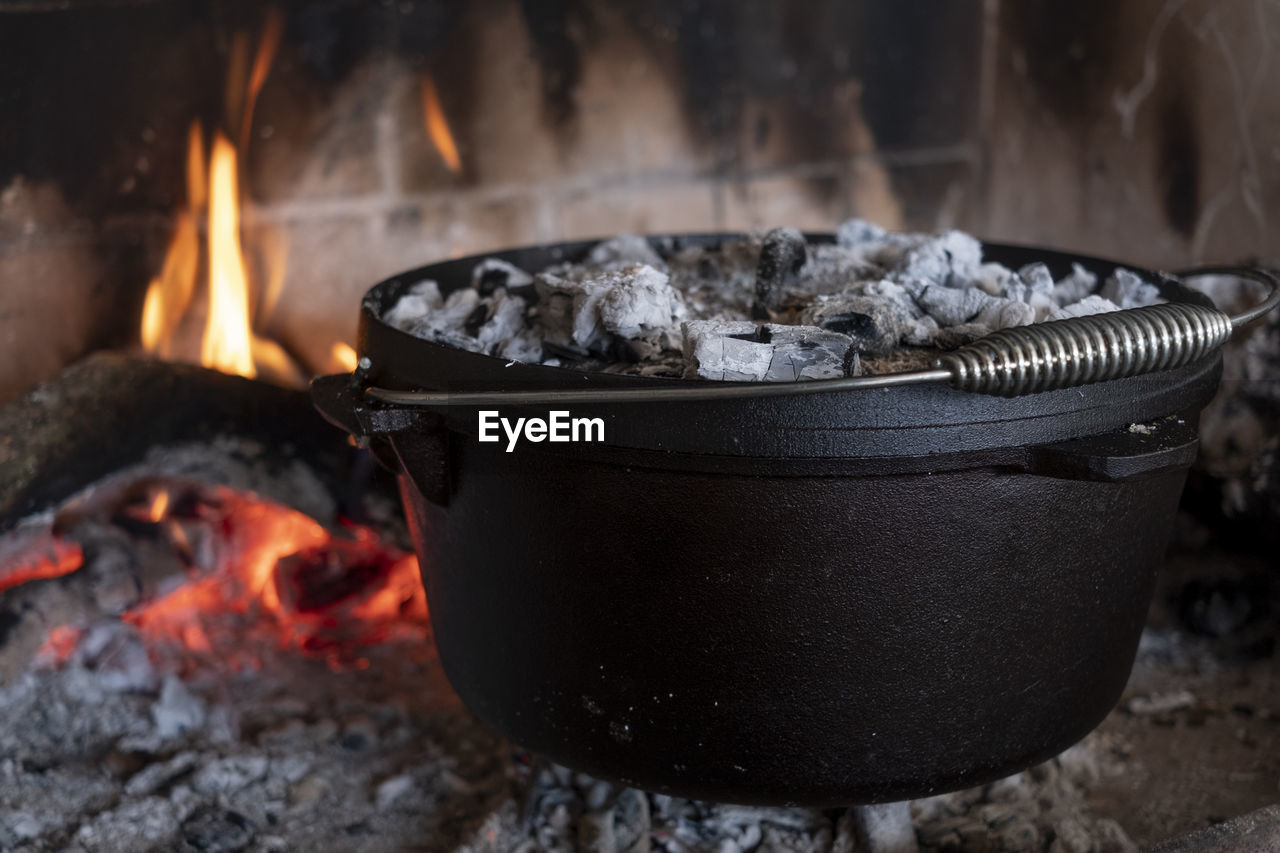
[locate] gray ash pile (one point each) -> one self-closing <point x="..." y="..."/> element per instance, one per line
<point x="766" y="306"/>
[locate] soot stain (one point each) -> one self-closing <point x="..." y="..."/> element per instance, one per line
<point x="550" y="24"/>
<point x="1178" y="163"/>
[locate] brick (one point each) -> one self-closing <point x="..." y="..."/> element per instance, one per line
<point x="639" y="210"/>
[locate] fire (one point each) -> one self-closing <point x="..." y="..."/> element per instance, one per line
<point x="344" y="356"/>
<point x="228" y="338"/>
<point x="268" y="44"/>
<point x="261" y="578"/>
<point x="47" y="556"/>
<point x="159" y="506"/>
<point x="58" y="646"/>
<point x="278" y="574"/>
<point x="169" y="295"/>
<point x="236" y="301"/>
<point x="437" y="127"/>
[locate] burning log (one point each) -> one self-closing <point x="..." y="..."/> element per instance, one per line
<point x="111" y="411"/>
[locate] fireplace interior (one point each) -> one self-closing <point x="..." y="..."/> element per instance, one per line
<point x="212" y="631"/>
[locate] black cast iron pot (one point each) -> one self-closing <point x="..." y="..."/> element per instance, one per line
<point x="843" y="597"/>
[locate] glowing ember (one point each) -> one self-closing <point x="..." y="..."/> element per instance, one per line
<point x="49" y="557"/>
<point x="437" y="128"/>
<point x="58" y="646"/>
<point x="259" y="577"/>
<point x="278" y="575"/>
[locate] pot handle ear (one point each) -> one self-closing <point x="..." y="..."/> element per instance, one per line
<point x="412" y="441"/>
<point x="341" y="399"/>
<point x="1141" y="450"/>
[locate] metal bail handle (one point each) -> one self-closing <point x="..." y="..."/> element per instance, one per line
<point x="1081" y="350"/>
<point x="1007" y="363"/>
<point x="1115" y="345"/>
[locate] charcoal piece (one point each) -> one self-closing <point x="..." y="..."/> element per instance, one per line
<point x="493" y="274"/>
<point x="739" y="350"/>
<point x="1074" y="286"/>
<point x="476" y="319"/>
<point x="1035" y="279"/>
<point x="806" y="352"/>
<point x="832" y="269"/>
<point x="161" y="774"/>
<point x="1005" y="314"/>
<point x="622" y="828"/>
<point x="782" y="256"/>
<point x="724" y="350"/>
<point x="559" y="302"/>
<point x="857" y="232"/>
<point x="951" y="259"/>
<point x="624" y="250"/>
<point x="148" y="824"/>
<point x="1127" y="290"/>
<point x="921" y="332"/>
<point x="446" y="323"/>
<point x="1090" y="305"/>
<point x="951" y="337"/>
<point x="1033" y="285"/>
<point x="993" y="278"/>
<point x="178" y="711"/>
<point x="875" y="326"/>
<point x="210" y="829"/>
<point x="504" y="321"/>
<point x="639" y="300"/>
<point x="417" y="303"/>
<point x="527" y="348"/>
<point x="394" y="789"/>
<point x="629" y="302"/>
<point x="948" y="305"/>
<point x="885" y="828"/>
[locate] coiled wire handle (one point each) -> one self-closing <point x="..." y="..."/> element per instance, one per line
<point x="1081" y="350"/>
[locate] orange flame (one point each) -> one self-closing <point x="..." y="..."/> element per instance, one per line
<point x="228" y="342"/>
<point x="268" y="43"/>
<point x="159" y="506"/>
<point x="228" y="339"/>
<point x="438" y="127"/>
<point x="169" y="295"/>
<point x="343" y="356"/>
<point x="286" y="572"/>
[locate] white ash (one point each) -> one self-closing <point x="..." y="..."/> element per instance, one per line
<point x="626" y="250"/>
<point x="634" y="303"/>
<point x="1161" y="703"/>
<point x="871" y="300"/>
<point x="115" y="751"/>
<point x="1128" y="290"/>
<point x="742" y="350"/>
<point x="1090" y="305"/>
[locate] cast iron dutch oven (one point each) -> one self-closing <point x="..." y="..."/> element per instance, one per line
<point x="820" y="593"/>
